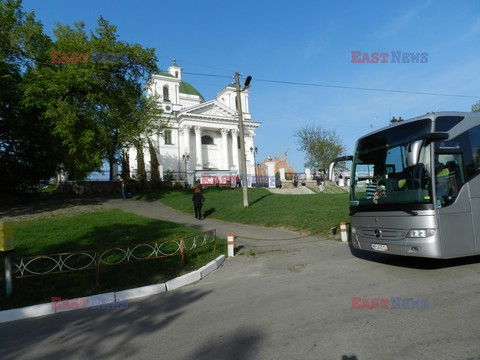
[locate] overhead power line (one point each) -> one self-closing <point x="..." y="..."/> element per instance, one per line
<point x="340" y="86"/>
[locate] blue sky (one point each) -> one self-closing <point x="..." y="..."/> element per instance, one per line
<point x="306" y="42"/>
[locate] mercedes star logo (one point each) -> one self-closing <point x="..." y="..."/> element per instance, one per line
<point x="377" y="233"/>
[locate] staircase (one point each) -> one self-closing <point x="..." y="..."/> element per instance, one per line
<point x="334" y="189"/>
<point x="329" y="188"/>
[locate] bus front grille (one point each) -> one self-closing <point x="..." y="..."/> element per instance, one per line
<point x="382" y="234"/>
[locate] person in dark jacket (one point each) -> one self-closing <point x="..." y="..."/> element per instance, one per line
<point x="123" y="188"/>
<point x="198" y="200"/>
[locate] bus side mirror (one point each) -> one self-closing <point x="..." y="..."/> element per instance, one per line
<point x="414" y="147"/>
<point x="413" y="152"/>
<point x="334" y="162"/>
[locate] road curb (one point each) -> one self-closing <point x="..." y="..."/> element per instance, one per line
<point x="111" y="297"/>
<point x="26" y="312"/>
<point x="140" y="292"/>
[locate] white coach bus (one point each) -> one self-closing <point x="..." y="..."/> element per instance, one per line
<point x="424" y="197"/>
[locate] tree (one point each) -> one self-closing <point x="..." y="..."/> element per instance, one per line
<point x="91" y="105"/>
<point x="144" y="123"/>
<point x="153" y="162"/>
<point x="476" y="106"/>
<point x="28" y="151"/>
<point x="320" y="146"/>
<point x="122" y="90"/>
<point x="70" y="115"/>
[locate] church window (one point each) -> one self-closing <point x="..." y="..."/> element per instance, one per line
<point x="176" y="74"/>
<point x="207" y="140"/>
<point x="165" y="93"/>
<point x="168" y="137"/>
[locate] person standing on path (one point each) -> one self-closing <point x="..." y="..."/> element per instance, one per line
<point x="198" y="201"/>
<point x="321" y="183"/>
<point x="123" y="188"/>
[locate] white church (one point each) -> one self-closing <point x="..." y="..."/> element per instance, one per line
<point x="202" y="137"/>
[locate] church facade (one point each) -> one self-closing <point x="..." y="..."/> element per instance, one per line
<point x="202" y="137"/>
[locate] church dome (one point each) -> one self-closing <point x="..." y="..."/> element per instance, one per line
<point x="187" y="89"/>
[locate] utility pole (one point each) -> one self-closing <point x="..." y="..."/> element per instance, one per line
<point x="243" y="171"/>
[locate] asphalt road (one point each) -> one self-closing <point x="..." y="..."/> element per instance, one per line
<point x="289" y="301"/>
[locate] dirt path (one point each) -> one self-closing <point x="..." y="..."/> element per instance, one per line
<point x="20" y="208"/>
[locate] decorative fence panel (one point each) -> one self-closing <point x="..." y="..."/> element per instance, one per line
<point x="93" y="259"/>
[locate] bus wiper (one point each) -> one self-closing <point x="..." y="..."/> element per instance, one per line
<point x="411" y="212"/>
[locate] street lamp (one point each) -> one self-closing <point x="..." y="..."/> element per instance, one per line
<point x="185" y="158"/>
<point x="243" y="172"/>
<point x="254" y="151"/>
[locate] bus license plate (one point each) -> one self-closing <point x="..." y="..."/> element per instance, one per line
<point x="379" y="247"/>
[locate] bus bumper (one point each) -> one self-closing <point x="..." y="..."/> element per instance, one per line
<point x="388" y="235"/>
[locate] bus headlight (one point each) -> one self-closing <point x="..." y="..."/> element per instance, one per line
<point x="420" y="233"/>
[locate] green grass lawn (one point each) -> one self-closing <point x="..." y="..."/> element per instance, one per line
<point x="313" y="214"/>
<point x="90" y="231"/>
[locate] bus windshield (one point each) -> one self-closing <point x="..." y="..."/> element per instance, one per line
<point x="383" y="178"/>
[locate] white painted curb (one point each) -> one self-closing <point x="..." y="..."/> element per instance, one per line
<point x="26" y="312"/>
<point x="140" y="292"/>
<point x="183" y="280"/>
<point x="111" y="297"/>
<point x="219" y="260"/>
<point x="207" y="269"/>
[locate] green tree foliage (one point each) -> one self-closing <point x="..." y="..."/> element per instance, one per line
<point x="153" y="162"/>
<point x="91" y="104"/>
<point x="28" y="155"/>
<point x="142" y="125"/>
<point x="476" y="106"/>
<point x="68" y="115"/>
<point x="126" y="112"/>
<point x="320" y="146"/>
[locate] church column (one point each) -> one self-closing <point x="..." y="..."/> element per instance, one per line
<point x="249" y="145"/>
<point x="224" y="133"/>
<point x="198" y="147"/>
<point x="186" y="141"/>
<point x="235" y="149"/>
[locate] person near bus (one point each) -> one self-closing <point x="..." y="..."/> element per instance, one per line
<point x="295" y="180"/>
<point x="320" y="182"/>
<point x="198" y="200"/>
<point x="372" y="187"/>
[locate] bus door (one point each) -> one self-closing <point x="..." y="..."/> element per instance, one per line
<point x="453" y="204"/>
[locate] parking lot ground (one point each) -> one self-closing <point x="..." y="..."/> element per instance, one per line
<point x="284" y="300"/>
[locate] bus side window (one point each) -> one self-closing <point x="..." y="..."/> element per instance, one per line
<point x="449" y="178"/>
<point x="474" y="135"/>
<point x="458" y="157"/>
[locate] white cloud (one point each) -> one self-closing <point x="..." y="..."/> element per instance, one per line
<point x="398" y="25"/>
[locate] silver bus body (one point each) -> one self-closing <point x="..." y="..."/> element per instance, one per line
<point x="425" y="186"/>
